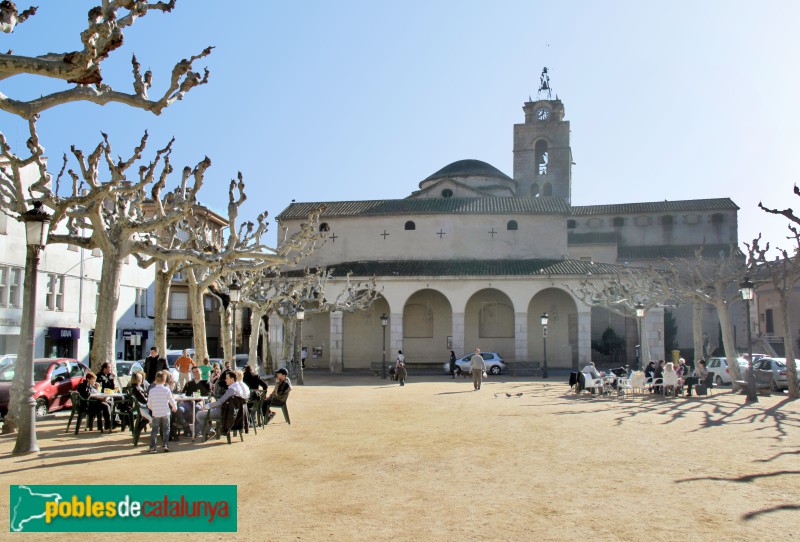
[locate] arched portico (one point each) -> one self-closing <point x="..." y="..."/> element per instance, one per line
<point x="562" y="328"/>
<point x="489" y="323"/>
<point x="427" y="324"/>
<point x="363" y="335"/>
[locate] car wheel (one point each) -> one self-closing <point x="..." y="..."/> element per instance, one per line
<point x="494" y="369"/>
<point x="775" y="387"/>
<point x="41" y="407"/>
<point x="719" y="381"/>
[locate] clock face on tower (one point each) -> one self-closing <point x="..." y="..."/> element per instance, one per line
<point x="542" y="113"/>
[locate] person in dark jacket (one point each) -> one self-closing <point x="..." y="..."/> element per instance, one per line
<point x="280" y="393"/>
<point x="453" y="365"/>
<point x="153" y="364"/>
<point x="253" y="381"/>
<point x="106" y="379"/>
<point x="96" y="407"/>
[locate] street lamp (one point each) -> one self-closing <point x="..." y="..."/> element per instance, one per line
<point x="384" y="321"/>
<point x="639" y="317"/>
<point x="37" y="227"/>
<point x="235" y="293"/>
<point x="300" y="315"/>
<point x="544" y="338"/>
<point x="748" y="293"/>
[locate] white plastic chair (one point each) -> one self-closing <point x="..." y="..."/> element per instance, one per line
<point x="637" y="382"/>
<point x="591" y="383"/>
<point x="624" y="386"/>
<point x="670" y="383"/>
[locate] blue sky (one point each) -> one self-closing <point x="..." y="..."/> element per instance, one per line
<point x="318" y="101"/>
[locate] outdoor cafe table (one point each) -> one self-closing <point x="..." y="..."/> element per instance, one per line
<point x="112" y="397"/>
<point x="193" y="399"/>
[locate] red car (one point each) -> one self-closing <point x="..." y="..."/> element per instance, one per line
<point x="53" y="379"/>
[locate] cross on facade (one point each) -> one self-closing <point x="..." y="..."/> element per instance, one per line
<point x="440" y="233"/>
<point x="384" y="235"/>
<point x="333" y="237"/>
<point x="492" y="232"/>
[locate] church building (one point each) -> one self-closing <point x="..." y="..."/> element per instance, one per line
<point x="473" y="257"/>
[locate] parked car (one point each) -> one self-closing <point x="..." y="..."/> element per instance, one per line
<point x="494" y="363"/>
<point x="719" y="366"/>
<point x="54" y="379"/>
<point x="778" y="368"/>
<point x="7" y="359"/>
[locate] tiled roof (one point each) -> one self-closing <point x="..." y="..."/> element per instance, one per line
<point x="489" y="205"/>
<point x="656" y="207"/>
<point x="472" y="268"/>
<point x="667" y="251"/>
<point x="468" y="168"/>
<point x="592" y="238"/>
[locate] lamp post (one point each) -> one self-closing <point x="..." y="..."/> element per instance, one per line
<point x="235" y="293"/>
<point x="544" y="339"/>
<point x="639" y="317"/>
<point x="300" y="314"/>
<point x="748" y="293"/>
<point x="384" y="321"/>
<point x="37" y="226"/>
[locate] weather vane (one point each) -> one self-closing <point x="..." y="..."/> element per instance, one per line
<point x="544" y="85"/>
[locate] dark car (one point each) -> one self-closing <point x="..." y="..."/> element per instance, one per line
<point x="54" y="379"/>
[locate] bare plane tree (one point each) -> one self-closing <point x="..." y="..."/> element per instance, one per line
<point x="715" y="281"/>
<point x="622" y="292"/>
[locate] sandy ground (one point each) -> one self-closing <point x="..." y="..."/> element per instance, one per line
<point x="366" y="459"/>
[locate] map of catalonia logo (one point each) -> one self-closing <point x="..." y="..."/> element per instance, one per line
<point x="122" y="508"/>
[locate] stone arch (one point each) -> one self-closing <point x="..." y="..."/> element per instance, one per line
<point x="562" y="328"/>
<point x="427" y="323"/>
<point x="489" y="323"/>
<point x="362" y="336"/>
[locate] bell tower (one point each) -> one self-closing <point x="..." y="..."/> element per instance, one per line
<point x="542" y="154"/>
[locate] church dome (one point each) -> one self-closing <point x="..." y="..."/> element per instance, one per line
<point x="468" y="168"/>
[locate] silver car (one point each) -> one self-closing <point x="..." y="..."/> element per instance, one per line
<point x="777" y="366"/>
<point x="719" y="366"/>
<point x="494" y="363"/>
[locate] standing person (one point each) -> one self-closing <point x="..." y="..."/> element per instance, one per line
<point x="303" y="356"/>
<point x="205" y="369"/>
<point x="152" y="365"/>
<point x="453" y="364"/>
<point x="160" y="402"/>
<point x="184" y="365"/>
<point x="477" y="366"/>
<point x="400" y="368"/>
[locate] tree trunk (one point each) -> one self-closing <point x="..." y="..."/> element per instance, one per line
<point x="791" y="366"/>
<point x="105" y="328"/>
<point x="727" y="339"/>
<point x="225" y="331"/>
<point x="198" y="320"/>
<point x="266" y="355"/>
<point x="697" y="331"/>
<point x="163" y="282"/>
<point x="255" y="332"/>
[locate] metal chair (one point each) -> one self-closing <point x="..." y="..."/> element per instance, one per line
<point x="81" y="407"/>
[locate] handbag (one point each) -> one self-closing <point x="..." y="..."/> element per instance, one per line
<point x="484" y="374"/>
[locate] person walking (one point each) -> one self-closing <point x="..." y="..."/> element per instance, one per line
<point x="400" y="368"/>
<point x="477" y="367"/>
<point x="453" y="364"/>
<point x="152" y="365"/>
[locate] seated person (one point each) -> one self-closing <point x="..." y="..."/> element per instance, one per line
<point x="670" y="374"/>
<point x="700" y="375"/>
<point x="650" y="370"/>
<point x="184" y="412"/>
<point x="95" y="407"/>
<point x="244" y="389"/>
<point x="214" y="410"/>
<point x="592" y="371"/>
<point x="659" y="374"/>
<point x="196" y="383"/>
<point x="253" y="381"/>
<point x="139" y="394"/>
<point x="106" y="379"/>
<point x="280" y="393"/>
